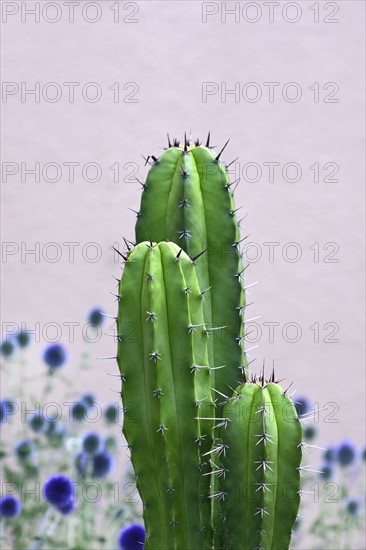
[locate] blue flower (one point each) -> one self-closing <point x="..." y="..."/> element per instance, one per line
<point x="326" y="471"/>
<point x="7" y="407"/>
<point x="3" y="412"/>
<point x="330" y="454"/>
<point x="37" y="422"/>
<point x="88" y="399"/>
<point x="78" y="411"/>
<point x="102" y="464"/>
<point x="10" y="405"/>
<point x="92" y="443"/>
<point x="54" y="356"/>
<point x="24" y="449"/>
<point x="10" y="506"/>
<point x="131" y="537"/>
<point x="302" y="405"/>
<point x="95" y="317"/>
<point x="111" y="413"/>
<point x="7" y="348"/>
<point x="82" y="463"/>
<point x="23" y="338"/>
<point x="346" y="453"/>
<point x="59" y="491"/>
<point x="309" y="432"/>
<point x="352" y="506"/>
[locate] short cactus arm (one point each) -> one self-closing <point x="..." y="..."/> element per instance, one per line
<point x="288" y="468"/>
<point x="259" y="493"/>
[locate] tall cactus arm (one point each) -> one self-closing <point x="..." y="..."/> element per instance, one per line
<point x="187" y="198"/>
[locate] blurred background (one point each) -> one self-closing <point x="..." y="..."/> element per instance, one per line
<point x="90" y="87"/>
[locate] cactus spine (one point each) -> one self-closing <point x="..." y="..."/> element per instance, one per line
<point x="162" y="356"/>
<point x="259" y="449"/>
<point x="187" y="199"/>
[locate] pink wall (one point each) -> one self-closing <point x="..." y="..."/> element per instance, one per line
<point x="169" y="53"/>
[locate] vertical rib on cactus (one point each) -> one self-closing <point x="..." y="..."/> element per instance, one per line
<point x="162" y="342"/>
<point x="187" y="199"/>
<point x="259" y="492"/>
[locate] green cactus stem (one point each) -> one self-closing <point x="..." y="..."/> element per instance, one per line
<point x="257" y="457"/>
<point x="163" y="361"/>
<point x="188" y="199"/>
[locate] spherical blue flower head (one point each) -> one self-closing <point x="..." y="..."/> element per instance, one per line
<point x="10" y="506"/>
<point x="10" y="405"/>
<point x="59" y="490"/>
<point x="326" y="470"/>
<point x="55" y="356"/>
<point x="7" y="348"/>
<point x="88" y="399"/>
<point x="24" y="449"/>
<point x="81" y="463"/>
<point x="330" y="454"/>
<point x="111" y="413"/>
<point x="131" y="537"/>
<point x="346" y="453"/>
<point x="302" y="405"/>
<point x="37" y="422"/>
<point x="3" y="412"/>
<point x="92" y="443"/>
<point x="78" y="411"/>
<point x="96" y="317"/>
<point x="102" y="464"/>
<point x="353" y="506"/>
<point x="23" y="338"/>
<point x="309" y="432"/>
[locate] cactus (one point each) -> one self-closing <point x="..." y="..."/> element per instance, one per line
<point x="257" y="458"/>
<point x="163" y="361"/>
<point x="188" y="199"/>
<point x="239" y="490"/>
